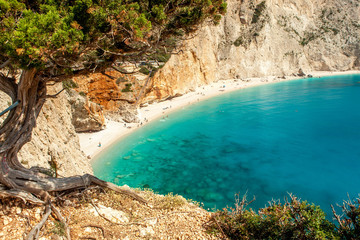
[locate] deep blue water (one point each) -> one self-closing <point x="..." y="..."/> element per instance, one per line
<point x="300" y="137"/>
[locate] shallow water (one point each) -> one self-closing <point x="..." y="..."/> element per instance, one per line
<point x="300" y="137"/>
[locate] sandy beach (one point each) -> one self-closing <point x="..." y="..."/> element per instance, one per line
<point x="89" y="142"/>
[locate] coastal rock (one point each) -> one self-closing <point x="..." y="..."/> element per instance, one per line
<point x="115" y="92"/>
<point x="301" y="73"/>
<point x="54" y="141"/>
<point x="86" y="116"/>
<point x="125" y="113"/>
<point x="254" y="39"/>
<point x="264" y="38"/>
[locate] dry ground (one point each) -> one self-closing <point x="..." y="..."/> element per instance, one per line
<point x="166" y="217"/>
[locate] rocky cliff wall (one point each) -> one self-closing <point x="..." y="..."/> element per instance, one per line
<point x="55" y="143"/>
<point x="254" y="39"/>
<point x="262" y="38"/>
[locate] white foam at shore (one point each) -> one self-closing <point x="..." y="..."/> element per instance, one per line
<point x="89" y="142"/>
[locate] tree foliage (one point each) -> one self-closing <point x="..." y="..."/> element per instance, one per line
<point x="90" y="33"/>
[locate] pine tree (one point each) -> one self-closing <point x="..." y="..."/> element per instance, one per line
<point x="46" y="41"/>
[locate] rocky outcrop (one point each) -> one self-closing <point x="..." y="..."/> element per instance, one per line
<point x="254" y="39"/>
<point x="86" y="116"/>
<point x="55" y="144"/>
<point x="265" y="38"/>
<point x="114" y="91"/>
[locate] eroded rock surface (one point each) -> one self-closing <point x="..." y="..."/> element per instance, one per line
<point x="54" y="141"/>
<point x="86" y="116"/>
<point x="265" y="38"/>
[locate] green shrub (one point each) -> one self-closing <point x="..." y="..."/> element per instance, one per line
<point x="127" y="88"/>
<point x="294" y="219"/>
<point x="308" y="37"/>
<point x="68" y="84"/>
<point x="144" y="70"/>
<point x="258" y="12"/>
<point x="239" y="41"/>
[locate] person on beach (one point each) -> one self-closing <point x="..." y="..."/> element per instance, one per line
<point x="99" y="144"/>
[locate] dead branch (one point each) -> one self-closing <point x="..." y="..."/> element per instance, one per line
<point x="34" y="233"/>
<point x="54" y="95"/>
<point x="92" y="203"/>
<point x="25" y="196"/>
<point x="124" y="71"/>
<point x="337" y="217"/>
<point x="108" y="75"/>
<point x="220" y="228"/>
<point x="96" y="226"/>
<point x="5" y="64"/>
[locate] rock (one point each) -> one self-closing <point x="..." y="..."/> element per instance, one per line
<point x="5" y="101"/>
<point x="243" y="20"/>
<point x="18" y="210"/>
<point x="301" y="73"/>
<point x="54" y="139"/>
<point x="86" y="116"/>
<point x="125" y="113"/>
<point x="117" y="97"/>
<point x="146" y="232"/>
<point x="287" y="36"/>
<point x="152" y="221"/>
<point x="110" y="213"/>
<point x="6" y="220"/>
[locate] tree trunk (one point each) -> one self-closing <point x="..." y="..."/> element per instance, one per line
<point x="15" y="179"/>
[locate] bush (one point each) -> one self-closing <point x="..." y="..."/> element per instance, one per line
<point x="144" y="70"/>
<point x="68" y="84"/>
<point x="258" y="12"/>
<point x="127" y="88"/>
<point x="239" y="41"/>
<point x="295" y="219"/>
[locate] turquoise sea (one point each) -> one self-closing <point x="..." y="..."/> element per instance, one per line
<point x="300" y="137"/>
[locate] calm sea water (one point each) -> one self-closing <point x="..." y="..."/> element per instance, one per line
<point x="300" y="137"/>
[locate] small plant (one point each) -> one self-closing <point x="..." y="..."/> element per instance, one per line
<point x="144" y="70"/>
<point x="217" y="19"/>
<point x="82" y="94"/>
<point x="349" y="222"/>
<point x="258" y="12"/>
<point x="120" y="79"/>
<point x="53" y="167"/>
<point x="239" y="41"/>
<point x="24" y="162"/>
<point x="172" y="201"/>
<point x="127" y="88"/>
<point x="309" y="36"/>
<point x="58" y="228"/>
<point x="69" y="84"/>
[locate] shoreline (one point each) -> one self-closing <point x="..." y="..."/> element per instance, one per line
<point x="115" y="131"/>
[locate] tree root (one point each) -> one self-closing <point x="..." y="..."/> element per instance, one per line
<point x="62" y="220"/>
<point x="34" y="233"/>
<point x="25" y="196"/>
<point x="96" y="226"/>
<point x="35" y="185"/>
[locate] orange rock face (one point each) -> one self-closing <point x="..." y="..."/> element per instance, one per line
<point x="108" y="89"/>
